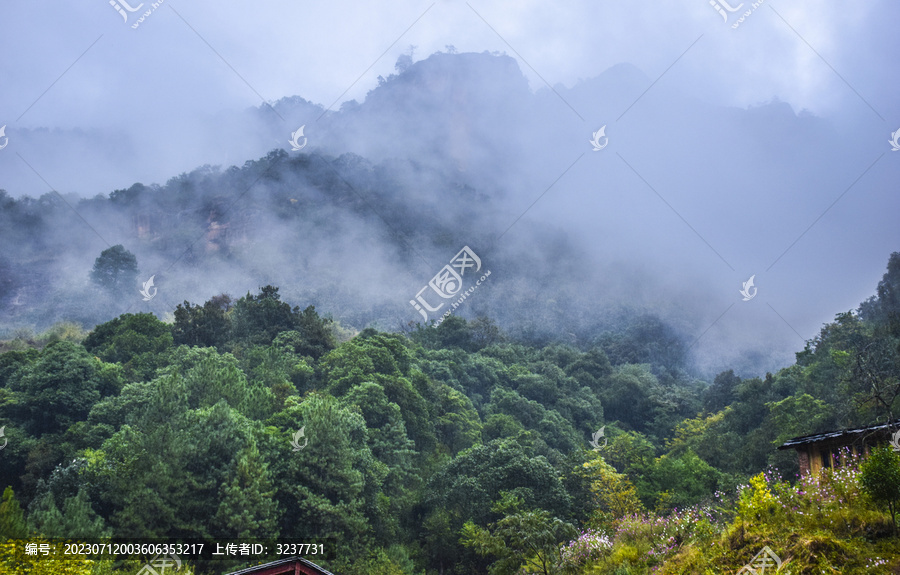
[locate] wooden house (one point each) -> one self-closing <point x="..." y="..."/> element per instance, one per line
<point x="831" y="449"/>
<point x="289" y="566"/>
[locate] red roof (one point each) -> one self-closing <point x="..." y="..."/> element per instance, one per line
<point x="290" y="566"/>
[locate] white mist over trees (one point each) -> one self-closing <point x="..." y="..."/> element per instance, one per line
<point x="687" y="201"/>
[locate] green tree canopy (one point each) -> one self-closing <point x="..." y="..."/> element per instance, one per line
<point x="136" y="341"/>
<point x="208" y="325"/>
<point x="12" y="518"/>
<point x="468" y="485"/>
<point x="115" y="270"/>
<point x="59" y="388"/>
<point x="327" y="486"/>
<point x="522" y="541"/>
<point x="880" y="479"/>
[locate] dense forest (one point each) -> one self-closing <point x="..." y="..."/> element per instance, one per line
<point x="447" y="449"/>
<point x="440" y="155"/>
<point x="234" y="336"/>
<point x="210" y="230"/>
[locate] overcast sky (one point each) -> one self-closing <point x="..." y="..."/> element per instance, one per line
<point x="78" y="64"/>
<point x="92" y="104"/>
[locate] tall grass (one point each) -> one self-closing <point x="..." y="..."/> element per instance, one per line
<point x="821" y="523"/>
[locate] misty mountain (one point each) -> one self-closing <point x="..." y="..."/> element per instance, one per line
<point x="686" y="202"/>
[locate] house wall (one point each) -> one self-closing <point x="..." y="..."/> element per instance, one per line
<point x="813" y="457"/>
<point x="804" y="462"/>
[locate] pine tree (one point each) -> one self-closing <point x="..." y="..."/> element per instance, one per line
<point x="247" y="508"/>
<point x="12" y="518"/>
<point x="115" y="270"/>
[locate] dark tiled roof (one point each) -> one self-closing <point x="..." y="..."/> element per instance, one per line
<point x="816" y="437"/>
<point x="272" y="567"/>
